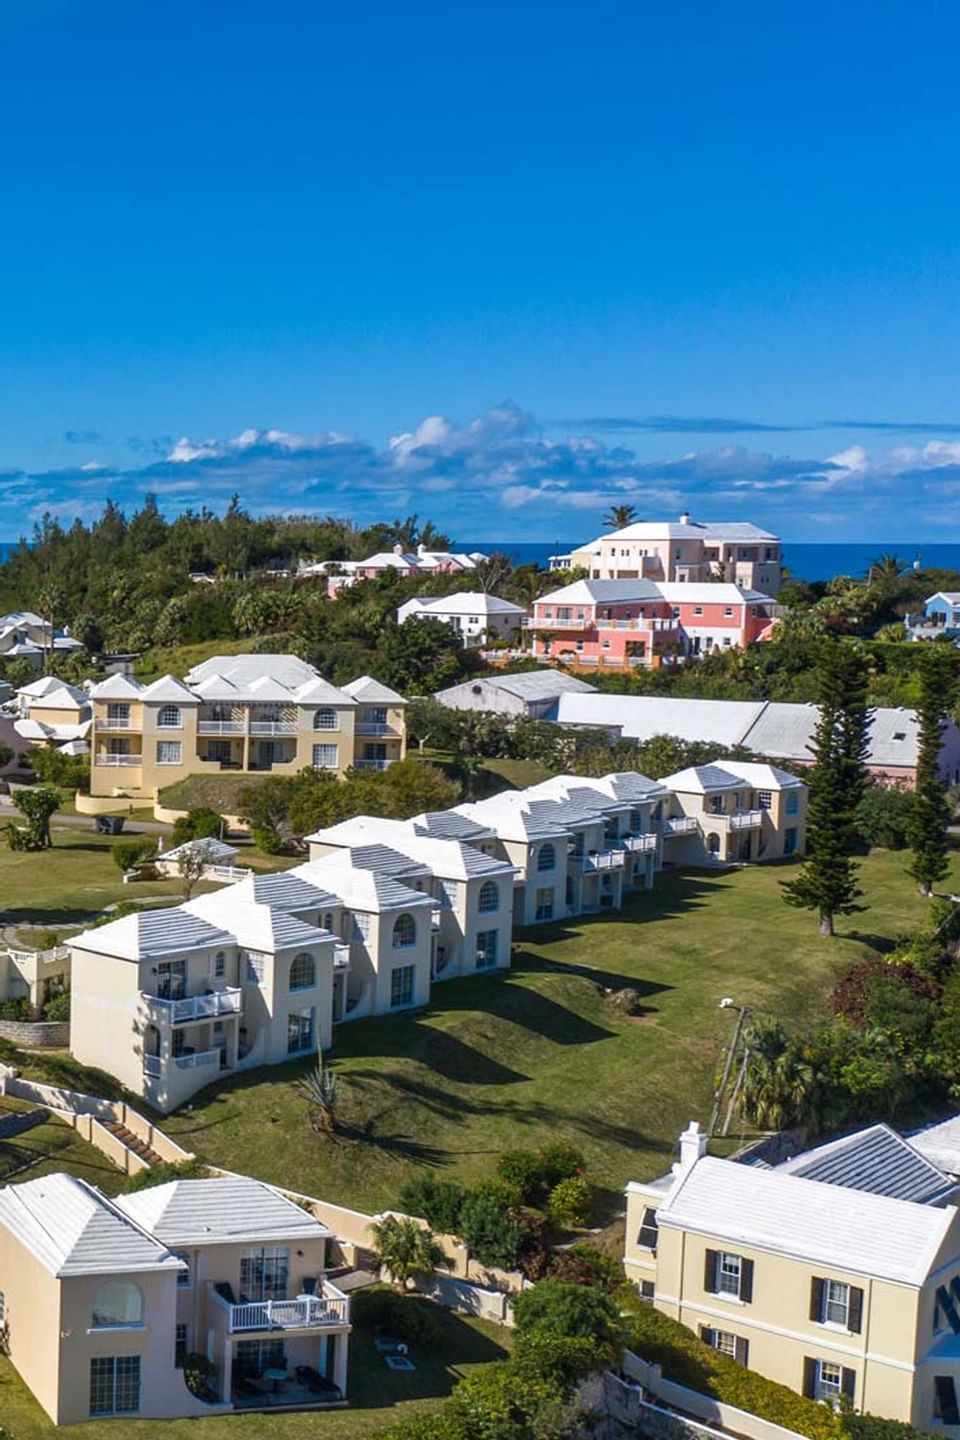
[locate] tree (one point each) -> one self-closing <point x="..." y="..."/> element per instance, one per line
<point x="777" y="1082"/>
<point x="37" y="806"/>
<point x="930" y="815"/>
<point x="319" y="1089"/>
<point x="552" y="1307"/>
<point x="885" y="569"/>
<point x="618" y="517"/>
<point x="266" y="809"/>
<point x="883" y="816"/>
<point x="494" y="1237"/>
<point x="827" y="881"/>
<point x="192" y="861"/>
<point x="422" y="655"/>
<point x="406" y="1249"/>
<point x="201" y="822"/>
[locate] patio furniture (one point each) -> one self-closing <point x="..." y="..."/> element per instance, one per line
<point x="316" y="1383"/>
<point x="275" y="1375"/>
<point x="389" y="1345"/>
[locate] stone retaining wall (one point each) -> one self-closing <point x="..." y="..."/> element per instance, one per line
<point x="37" y="1035"/>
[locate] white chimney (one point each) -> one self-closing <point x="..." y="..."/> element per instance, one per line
<point x="693" y="1147"/>
<point x="685" y="518"/>
<point x="398" y="549"/>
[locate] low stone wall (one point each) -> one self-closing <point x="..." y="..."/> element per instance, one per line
<point x="107" y="804"/>
<point x="37" y="1034"/>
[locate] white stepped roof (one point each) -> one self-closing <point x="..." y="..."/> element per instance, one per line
<point x="371" y="692"/>
<point x="730" y="775"/>
<point x="244" y="670"/>
<point x="363" y="890"/>
<point x="230" y="1210"/>
<point x="215" y="852"/>
<point x="168" y="687"/>
<point x="940" y="1144"/>
<point x="72" y="1229"/>
<point x="152" y="933"/>
<point x="118" y="687"/>
<point x="43" y="686"/>
<point x="710" y="592"/>
<point x="256" y="927"/>
<point x="64" y="697"/>
<point x="843" y="1229"/>
<point x="602" y="592"/>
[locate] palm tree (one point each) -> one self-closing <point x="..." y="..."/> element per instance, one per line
<point x="885" y="569"/>
<point x="405" y="1249"/>
<point x="618" y="517"/>
<point x="319" y="1088"/>
<point x="777" y="1081"/>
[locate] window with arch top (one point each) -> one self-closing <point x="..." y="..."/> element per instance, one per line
<point x="489" y="897"/>
<point x="169" y="717"/>
<point x="325" y="719"/>
<point x="117" y="1303"/>
<point x="547" y="859"/>
<point x="303" y="972"/>
<point x="404" y="932"/>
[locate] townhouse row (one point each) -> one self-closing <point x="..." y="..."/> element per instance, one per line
<point x="836" y="1272"/>
<point x="102" y="1300"/>
<point x="261" y="970"/>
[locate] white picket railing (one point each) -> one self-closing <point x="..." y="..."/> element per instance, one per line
<point x="195" y="1007"/>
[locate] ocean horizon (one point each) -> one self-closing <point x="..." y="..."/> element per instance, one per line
<point x="803" y="561"/>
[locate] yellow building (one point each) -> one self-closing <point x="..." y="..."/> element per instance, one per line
<point x="733" y="812"/>
<point x="247" y="713"/>
<point x="101" y="1300"/>
<point x="836" y="1273"/>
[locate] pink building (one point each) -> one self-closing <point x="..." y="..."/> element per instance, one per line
<point x="627" y="623"/>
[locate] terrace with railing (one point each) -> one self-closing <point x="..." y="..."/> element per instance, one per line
<point x="330" y="1309"/>
<point x="191" y="1008"/>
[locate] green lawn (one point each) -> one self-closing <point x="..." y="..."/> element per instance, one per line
<point x="48" y="1148"/>
<point x="378" y="1397"/>
<point x="221" y="791"/>
<point x="500" y="1062"/>
<point x="69" y="884"/>
<point x="178" y="659"/>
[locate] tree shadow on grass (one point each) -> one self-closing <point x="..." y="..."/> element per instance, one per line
<point x="882" y="944"/>
<point x="448" y="1055"/>
<point x="521" y="1005"/>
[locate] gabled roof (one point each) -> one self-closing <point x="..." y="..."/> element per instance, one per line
<point x="451" y="825"/>
<point x="168" y="687"/>
<point x="117" y="687"/>
<point x="709" y="592"/>
<point x="321" y="692"/>
<point x="952" y="597"/>
<point x="243" y="670"/>
<point x="230" y="1210"/>
<point x="43" y="686"/>
<point x="629" y="786"/>
<point x="63" y="697"/>
<point x="940" y="1144"/>
<point x="601" y="592"/>
<point x="72" y="1229"/>
<point x="285" y="890"/>
<point x="149" y="933"/>
<point x="214" y="851"/>
<point x="509" y="815"/>
<point x="876" y="1159"/>
<point x="256" y="927"/>
<point x="362" y="889"/>
<point x="730" y="775"/>
<point x="468" y="602"/>
<point x="375" y="855"/>
<point x="846" y="1230"/>
<point x="370" y="692"/>
<point x="539" y="684"/>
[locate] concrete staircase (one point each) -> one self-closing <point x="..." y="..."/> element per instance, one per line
<point x="133" y="1142"/>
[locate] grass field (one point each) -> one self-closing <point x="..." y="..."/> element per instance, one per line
<point x="378" y="1397"/>
<point x="221" y="791"/>
<point x="500" y="1062"/>
<point x="50" y="1147"/>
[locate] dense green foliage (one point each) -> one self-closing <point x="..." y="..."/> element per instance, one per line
<point x="201" y="822"/>
<point x="165" y="1171"/>
<point x="931" y="811"/>
<point x="405" y="1317"/>
<point x="827" y="881"/>
<point x="38" y="806"/>
<point x="883" y="816"/>
<point x="70" y="772"/>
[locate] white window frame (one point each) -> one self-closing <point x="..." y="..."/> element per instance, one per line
<point x="488" y="888"/>
<point x="403" y="986"/>
<point x="764" y="799"/>
<point x="544" y="908"/>
<point x="326" y="764"/>
<point x="165" y="746"/>
<point x="488" y="944"/>
<point x="256" y="969"/>
<point x="331" y="720"/>
<point x="168" y="724"/>
<point x="729" y="1273"/>
<point x="110" y="1387"/>
<point x="836" y="1303"/>
<point x="826" y="1389"/>
<point x="725" y="1342"/>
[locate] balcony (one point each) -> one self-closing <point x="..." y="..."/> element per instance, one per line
<point x="679" y="825"/>
<point x="197" y="1059"/>
<point x="104" y="757"/>
<point x="582" y="623"/>
<point x="741" y="820"/>
<point x="328" y="1310"/>
<point x="221" y="727"/>
<point x="603" y="860"/>
<point x="371" y="727"/>
<point x="273" y="727"/>
<point x="114" y="722"/>
<point x="639" y="844"/>
<point x="341" y="957"/>
<point x="193" y="1007"/>
<point x="372" y="764"/>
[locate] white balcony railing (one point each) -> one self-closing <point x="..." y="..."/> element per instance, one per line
<point x="198" y="1059"/>
<point x="273" y="727"/>
<point x="341" y="957"/>
<point x="743" y="819"/>
<point x="679" y="825"/>
<point x="373" y="764"/>
<point x="114" y="722"/>
<point x="639" y="844"/>
<point x="582" y="622"/>
<point x="371" y="727"/>
<point x="220" y="727"/>
<point x="603" y="860"/>
<point x="105" y="757"/>
<point x="152" y="1066"/>
<point x="330" y="1309"/>
<point x="194" y="1007"/>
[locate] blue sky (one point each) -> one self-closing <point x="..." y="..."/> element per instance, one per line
<point x="504" y="264"/>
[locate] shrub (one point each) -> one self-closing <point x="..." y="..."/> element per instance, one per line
<point x="564" y="1358"/>
<point x="493" y="1237"/>
<point x="58" y="1007"/>
<point x="883" y="816"/>
<point x="436" y="1201"/>
<point x="570" y="1201"/>
<point x="406" y="1316"/>
<point x="584" y="1265"/>
<point x="577" y="1312"/>
<point x="14" y="1010"/>
<point x="497" y="1402"/>
<point x="687" y="1360"/>
<point x="127" y="854"/>
<point x="193" y="1169"/>
<point x="533" y="1174"/>
<point x="9" y="1054"/>
<point x="201" y="822"/>
<point x="198" y="1374"/>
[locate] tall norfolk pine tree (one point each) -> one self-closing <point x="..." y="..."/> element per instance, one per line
<point x="827" y="881"/>
<point x="927" y="831"/>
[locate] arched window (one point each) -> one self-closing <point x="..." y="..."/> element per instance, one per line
<point x="117" y="1303"/>
<point x="404" y="932"/>
<point x="713" y="843"/>
<point x="547" y="859"/>
<point x="328" y="920"/>
<point x="303" y="972"/>
<point x="325" y="719"/>
<point x="220" y="965"/>
<point x="169" y="717"/>
<point x="489" y="897"/>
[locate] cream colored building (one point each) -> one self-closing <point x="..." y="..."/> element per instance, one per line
<point x="836" y="1273"/>
<point x="684" y="551"/>
<point x="253" y="714"/>
<point x="734" y="812"/>
<point x="100" y="1299"/>
<point x="53" y="713"/>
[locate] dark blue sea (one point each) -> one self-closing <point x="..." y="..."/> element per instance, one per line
<point x="805" y="562"/>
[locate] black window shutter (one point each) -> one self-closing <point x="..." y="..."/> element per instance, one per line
<point x="848" y="1382"/>
<point x="710" y="1271"/>
<point x="816" y="1299"/>
<point x="855" y="1312"/>
<point x="743" y="1350"/>
<point x="746" y="1280"/>
<point x="809" y="1378"/>
<point x="946" y="1397"/>
<point x="708" y="1336"/>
